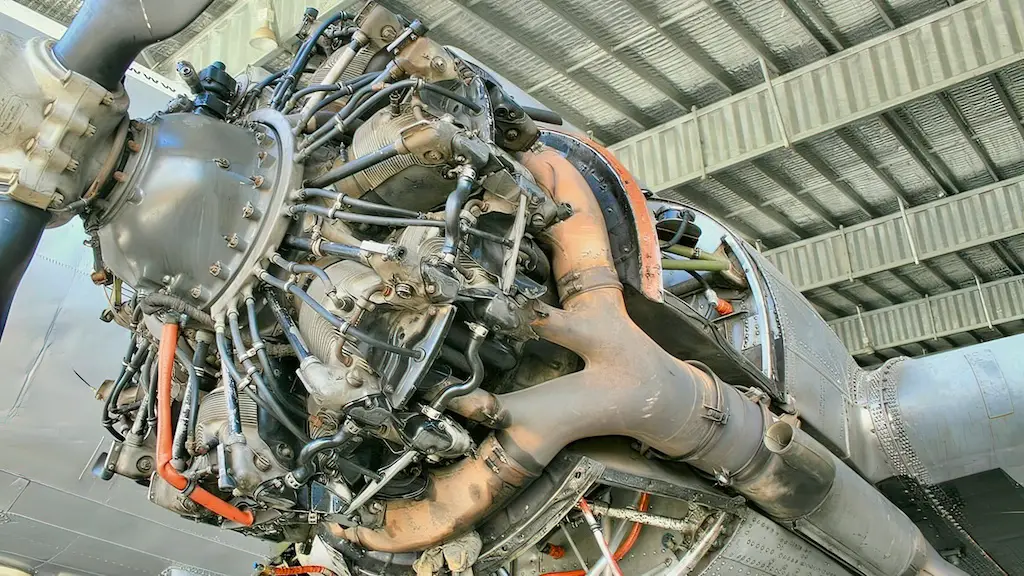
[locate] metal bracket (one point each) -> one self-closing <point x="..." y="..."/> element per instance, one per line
<point x="715" y="415"/>
<point x="700" y="144"/>
<point x="775" y="103"/>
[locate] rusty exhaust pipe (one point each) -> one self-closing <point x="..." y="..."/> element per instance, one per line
<point x="631" y="387"/>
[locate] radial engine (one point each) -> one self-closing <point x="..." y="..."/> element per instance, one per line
<point x="380" y="312"/>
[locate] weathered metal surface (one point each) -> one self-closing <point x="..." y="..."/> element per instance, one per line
<point x="813" y="363"/>
<point x="963" y="410"/>
<point x="759" y="547"/>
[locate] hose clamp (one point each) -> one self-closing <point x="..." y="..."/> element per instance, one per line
<point x="315" y="245"/>
<point x="190" y="487"/>
<point x="292" y="481"/>
<point x="345" y="325"/>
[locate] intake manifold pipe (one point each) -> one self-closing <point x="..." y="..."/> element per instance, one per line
<point x="631" y="387"/>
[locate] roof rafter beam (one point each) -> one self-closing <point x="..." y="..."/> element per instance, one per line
<point x="1008" y="258"/>
<point x="755" y="44"/>
<point x="697" y="56"/>
<point x="861" y="152"/>
<point x="883" y="12"/>
<point x="668" y="155"/>
<point x="598" y="89"/>
<point x="655" y="79"/>
<point x="833" y="178"/>
<point x="908" y="138"/>
<point x="765" y="210"/>
<point x="794" y="191"/>
<point x="944" y="226"/>
<point x="954" y="113"/>
<point x="947" y="314"/>
<point x="820" y="21"/>
<point x="1004" y="99"/>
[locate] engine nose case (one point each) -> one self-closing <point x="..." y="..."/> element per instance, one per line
<point x="199" y="204"/>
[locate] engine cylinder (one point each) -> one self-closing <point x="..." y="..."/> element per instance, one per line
<point x="406" y="180"/>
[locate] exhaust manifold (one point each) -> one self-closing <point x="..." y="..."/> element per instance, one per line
<point x="631" y="387"/>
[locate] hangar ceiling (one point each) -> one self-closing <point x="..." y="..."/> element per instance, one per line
<point x="872" y="148"/>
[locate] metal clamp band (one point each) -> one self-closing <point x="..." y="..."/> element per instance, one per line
<point x="580" y="281"/>
<point x="190" y="487"/>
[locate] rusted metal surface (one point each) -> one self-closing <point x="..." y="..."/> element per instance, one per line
<point x="649" y="251"/>
<point x="458" y="497"/>
<point x="630" y="387"/>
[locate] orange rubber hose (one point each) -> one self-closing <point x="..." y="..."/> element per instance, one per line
<point x="623" y="548"/>
<point x="164" y="435"/>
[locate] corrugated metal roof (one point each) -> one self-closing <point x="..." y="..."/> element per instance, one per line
<point x="617" y="67"/>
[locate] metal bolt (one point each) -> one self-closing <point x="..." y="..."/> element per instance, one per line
<point x="196" y="292"/>
<point x="135" y="125"/>
<point x="387" y="33"/>
<point x="375" y="507"/>
<point x="120" y="176"/>
<point x="107" y="100"/>
<point x="261" y="157"/>
<point x="432" y="155"/>
<point x="215" y="269"/>
<point x="72" y="165"/>
<point x="512" y="134"/>
<point x="145" y="464"/>
<point x="403" y="290"/>
<point x="438" y="64"/>
<point x="261" y="463"/>
<point x="58" y="199"/>
<point x="134" y="146"/>
<point x="284" y="450"/>
<point x="222" y="163"/>
<point x="260" y="137"/>
<point x="232" y="240"/>
<point x="99" y="277"/>
<point x="166" y="279"/>
<point x="460" y="159"/>
<point x="257" y="181"/>
<point x="90" y="131"/>
<point x="248" y="210"/>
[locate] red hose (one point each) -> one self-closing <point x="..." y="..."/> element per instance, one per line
<point x="623" y="548"/>
<point x="164" y="435"/>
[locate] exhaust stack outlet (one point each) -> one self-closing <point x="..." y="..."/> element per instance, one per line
<point x="804" y="486"/>
<point x="631" y="387"/>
